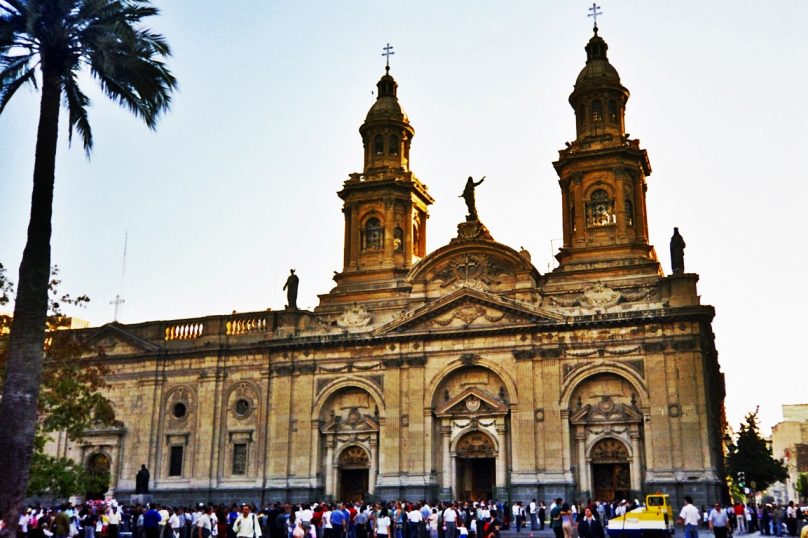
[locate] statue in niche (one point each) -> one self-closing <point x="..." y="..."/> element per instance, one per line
<point x="142" y="480"/>
<point x="468" y="196"/>
<point x="291" y="290"/>
<point x="677" y="253"/>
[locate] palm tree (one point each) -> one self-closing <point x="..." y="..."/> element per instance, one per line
<point x="47" y="43"/>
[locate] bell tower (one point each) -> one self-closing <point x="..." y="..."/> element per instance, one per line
<point x="385" y="206"/>
<point x="602" y="175"/>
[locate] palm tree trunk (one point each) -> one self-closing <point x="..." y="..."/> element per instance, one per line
<point x="18" y="408"/>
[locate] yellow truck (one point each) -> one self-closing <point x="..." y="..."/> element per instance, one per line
<point x="654" y="520"/>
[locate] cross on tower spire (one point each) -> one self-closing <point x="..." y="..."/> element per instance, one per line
<point x="388" y="51"/>
<point x="594" y="12"/>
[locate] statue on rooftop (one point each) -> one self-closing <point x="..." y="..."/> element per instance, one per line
<point x="468" y="196"/>
<point x="291" y="290"/>
<point x="677" y="253"/>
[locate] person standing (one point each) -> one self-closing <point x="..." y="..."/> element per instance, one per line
<point x="555" y="519"/>
<point x="383" y="523"/>
<point x="450" y="521"/>
<point x="204" y="524"/>
<point x="533" y="510"/>
<point x="542" y="515"/>
<point x="113" y="520"/>
<point x="718" y="521"/>
<point x="246" y="524"/>
<point x="151" y="522"/>
<point x="590" y="527"/>
<point x="689" y="517"/>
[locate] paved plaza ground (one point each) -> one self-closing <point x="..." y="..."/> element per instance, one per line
<point x="547" y="533"/>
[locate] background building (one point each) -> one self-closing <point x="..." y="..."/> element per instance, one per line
<point x="458" y="373"/>
<point x="790" y="443"/>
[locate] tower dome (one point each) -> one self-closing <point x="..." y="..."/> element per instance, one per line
<point x="599" y="100"/>
<point x="387" y="105"/>
<point x="386" y="132"/>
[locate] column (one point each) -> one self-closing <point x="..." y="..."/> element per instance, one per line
<point x="446" y="432"/>
<point x="502" y="460"/>
<point x="374" y="463"/>
<point x="582" y="475"/>
<point x="636" y="468"/>
<point x="565" y="211"/>
<point x="389" y="230"/>
<point x="329" y="467"/>
<point x="453" y="459"/>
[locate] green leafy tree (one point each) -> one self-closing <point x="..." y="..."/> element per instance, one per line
<point x="70" y="401"/>
<point x="802" y="485"/>
<point x="49" y="44"/>
<point x="749" y="453"/>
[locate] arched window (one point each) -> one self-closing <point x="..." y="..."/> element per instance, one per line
<point x="612" y="112"/>
<point x="597" y="111"/>
<point x="600" y="209"/>
<point x="373" y="235"/>
<point x="416" y="237"/>
<point x="393" y="145"/>
<point x="629" y="213"/>
<point x="378" y="145"/>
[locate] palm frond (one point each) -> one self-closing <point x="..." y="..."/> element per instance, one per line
<point x="8" y="91"/>
<point x="13" y="67"/>
<point x="77" y="104"/>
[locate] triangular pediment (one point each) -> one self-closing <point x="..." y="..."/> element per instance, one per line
<point x="606" y="411"/>
<point x="468" y="308"/>
<point x="355" y="422"/>
<point x="472" y="402"/>
<point x="112" y="339"/>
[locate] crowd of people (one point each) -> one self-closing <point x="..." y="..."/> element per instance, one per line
<point x="97" y="519"/>
<point x="739" y="518"/>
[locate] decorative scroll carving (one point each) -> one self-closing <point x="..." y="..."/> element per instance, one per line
<point x="354" y="317"/>
<point x="638" y="295"/>
<point x="674" y="410"/>
<point x="566" y="300"/>
<point x="622" y="350"/>
<point x="582" y="352"/>
<point x="600" y="296"/>
<point x="540" y="414"/>
<point x="475" y="445"/>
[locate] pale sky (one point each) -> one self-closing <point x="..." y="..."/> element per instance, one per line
<point x="239" y="182"/>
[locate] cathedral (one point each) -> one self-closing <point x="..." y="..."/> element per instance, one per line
<point x="461" y="373"/>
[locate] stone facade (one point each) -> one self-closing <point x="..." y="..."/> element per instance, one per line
<point x="461" y="373"/>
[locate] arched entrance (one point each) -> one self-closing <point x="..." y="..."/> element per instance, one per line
<point x="476" y="467"/>
<point x="611" y="471"/>
<point x="98" y="467"/>
<point x="354" y="473"/>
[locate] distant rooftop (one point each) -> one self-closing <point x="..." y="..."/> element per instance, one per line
<point x="795" y="412"/>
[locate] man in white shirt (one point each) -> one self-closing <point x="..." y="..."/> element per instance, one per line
<point x="534" y="511"/>
<point x="203" y="524"/>
<point x="689" y="517"/>
<point x="450" y="521"/>
<point x="415" y="519"/>
<point x="246" y="525"/>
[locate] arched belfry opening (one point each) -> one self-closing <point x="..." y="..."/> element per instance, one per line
<point x="349" y="423"/>
<point x="471" y="433"/>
